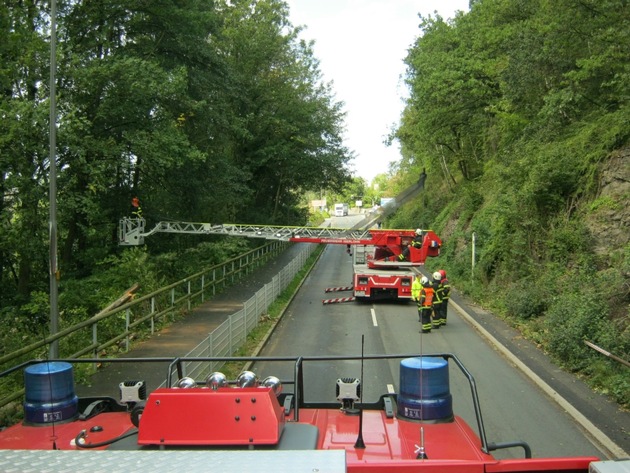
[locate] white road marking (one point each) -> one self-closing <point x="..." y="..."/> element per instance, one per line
<point x="374" y="322"/>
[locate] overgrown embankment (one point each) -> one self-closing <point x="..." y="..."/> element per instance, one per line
<point x="552" y="251"/>
<point x="519" y="112"/>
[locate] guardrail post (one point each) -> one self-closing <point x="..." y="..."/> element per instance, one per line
<point x="152" y="318"/>
<point x="189" y="296"/>
<point x="95" y="342"/>
<point x="152" y="322"/>
<point x="203" y="286"/>
<point x="127" y="323"/>
<point x="230" y="334"/>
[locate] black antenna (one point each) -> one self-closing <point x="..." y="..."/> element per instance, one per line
<point x="52" y="416"/>
<point x="359" y="443"/>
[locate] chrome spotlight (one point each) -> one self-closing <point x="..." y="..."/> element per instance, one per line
<point x="273" y="383"/>
<point x="247" y="379"/>
<point x="216" y="380"/>
<point x="186" y="382"/>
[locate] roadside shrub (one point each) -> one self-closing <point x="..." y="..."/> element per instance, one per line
<point x="571" y="319"/>
<point x="526" y="299"/>
<point x="565" y="240"/>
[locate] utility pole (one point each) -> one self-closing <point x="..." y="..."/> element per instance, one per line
<point x="474" y="239"/>
<point x="52" y="191"/>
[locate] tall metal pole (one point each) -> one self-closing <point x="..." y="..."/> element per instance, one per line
<point x="474" y="239"/>
<point x="52" y="196"/>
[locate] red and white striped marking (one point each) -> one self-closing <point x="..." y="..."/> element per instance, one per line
<point x="337" y="289"/>
<point x="340" y="299"/>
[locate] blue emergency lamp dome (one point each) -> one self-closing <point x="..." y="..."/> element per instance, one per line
<point x="425" y="390"/>
<point x="49" y="393"/>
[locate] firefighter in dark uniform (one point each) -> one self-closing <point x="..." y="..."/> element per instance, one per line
<point x="446" y="295"/>
<point x="425" y="304"/>
<point x="416" y="243"/>
<point x="438" y="307"/>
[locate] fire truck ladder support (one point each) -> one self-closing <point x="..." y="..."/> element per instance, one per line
<point x="339" y="289"/>
<point x="338" y="300"/>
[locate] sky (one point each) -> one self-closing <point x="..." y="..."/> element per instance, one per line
<point x="361" y="45"/>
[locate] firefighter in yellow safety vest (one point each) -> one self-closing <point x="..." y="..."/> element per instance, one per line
<point x="422" y="293"/>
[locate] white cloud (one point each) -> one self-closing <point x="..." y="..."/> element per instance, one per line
<point x="361" y="45"/>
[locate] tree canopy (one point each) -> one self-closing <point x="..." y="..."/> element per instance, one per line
<point x="209" y="111"/>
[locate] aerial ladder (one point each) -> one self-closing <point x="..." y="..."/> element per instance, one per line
<point x="389" y="244"/>
<point x="382" y="259"/>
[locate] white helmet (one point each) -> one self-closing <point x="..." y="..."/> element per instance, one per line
<point x="418" y="231"/>
<point x="437" y="276"/>
<point x="424" y="280"/>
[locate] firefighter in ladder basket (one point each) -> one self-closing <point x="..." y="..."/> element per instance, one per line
<point x="416" y="243"/>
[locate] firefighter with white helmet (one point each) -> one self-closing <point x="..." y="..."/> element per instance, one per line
<point x="437" y="300"/>
<point x="425" y="304"/>
<point x="416" y="243"/>
<point x="446" y="295"/>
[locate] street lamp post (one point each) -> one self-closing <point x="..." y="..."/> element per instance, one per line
<point x="52" y="191"/>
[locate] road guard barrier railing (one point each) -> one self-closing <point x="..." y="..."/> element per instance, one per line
<point x="129" y="319"/>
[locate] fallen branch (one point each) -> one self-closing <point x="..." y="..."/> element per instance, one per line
<point x="606" y="353"/>
<point x="127" y="295"/>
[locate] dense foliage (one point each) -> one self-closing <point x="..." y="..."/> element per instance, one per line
<point x="517" y="110"/>
<point x="208" y="111"/>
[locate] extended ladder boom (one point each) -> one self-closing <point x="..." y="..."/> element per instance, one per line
<point x="392" y="247"/>
<point x="133" y="230"/>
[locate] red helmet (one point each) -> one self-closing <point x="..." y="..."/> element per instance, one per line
<point x="443" y="273"/>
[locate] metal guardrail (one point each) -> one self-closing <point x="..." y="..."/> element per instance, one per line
<point x="119" y="325"/>
<point x="183" y="295"/>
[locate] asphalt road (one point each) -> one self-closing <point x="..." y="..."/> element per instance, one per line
<point x="523" y="396"/>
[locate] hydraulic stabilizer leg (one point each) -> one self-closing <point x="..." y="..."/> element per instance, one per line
<point x="340" y="299"/>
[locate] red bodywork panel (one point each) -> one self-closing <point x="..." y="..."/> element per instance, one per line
<point x="364" y="282"/>
<point x="232" y="420"/>
<point x="22" y="437"/>
<point x="388" y="243"/>
<point x="202" y="416"/>
<point x="390" y="443"/>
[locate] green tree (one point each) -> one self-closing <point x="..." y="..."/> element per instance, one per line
<point x="289" y="134"/>
<point x="23" y="147"/>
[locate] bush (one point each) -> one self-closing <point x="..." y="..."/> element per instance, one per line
<point x="571" y="319"/>
<point x="526" y="299"/>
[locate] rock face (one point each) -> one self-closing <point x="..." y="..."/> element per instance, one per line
<point x="610" y="222"/>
